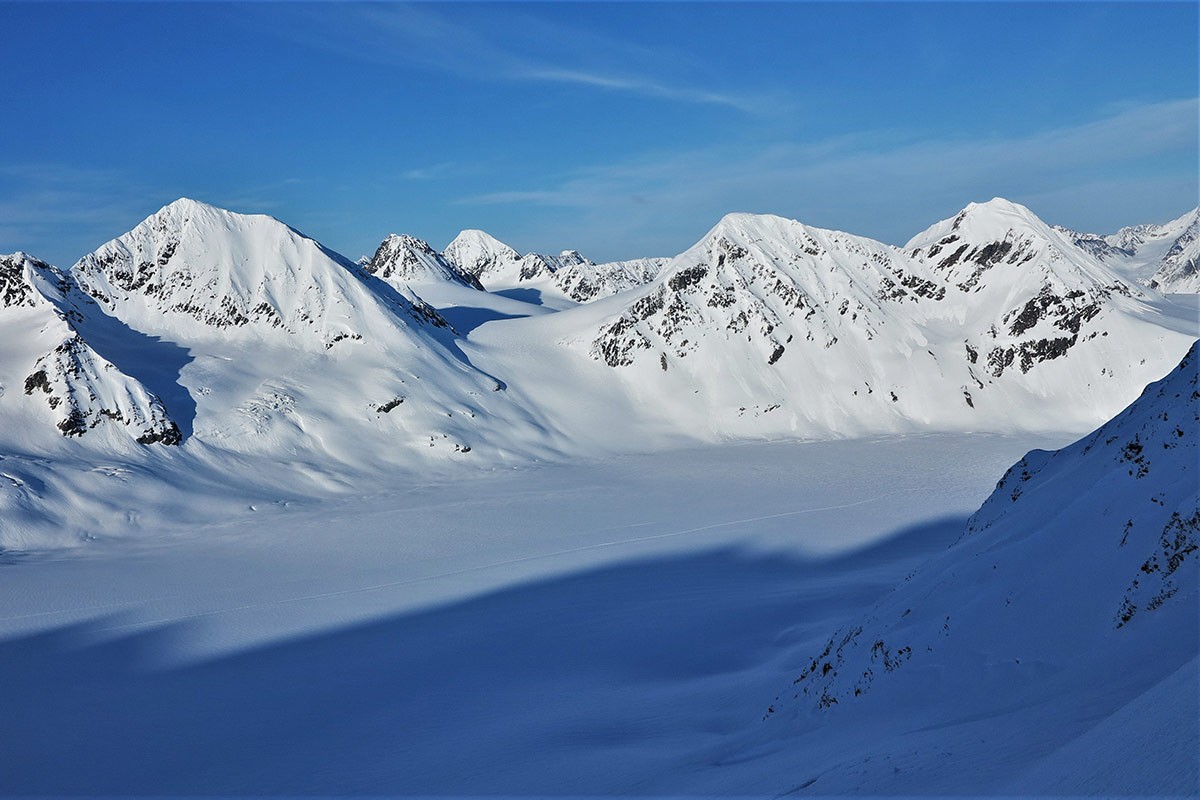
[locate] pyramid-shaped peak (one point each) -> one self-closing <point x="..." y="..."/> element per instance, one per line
<point x="403" y="259"/>
<point x="482" y="240"/>
<point x="397" y="240"/>
<point x="476" y="253"/>
<point x="992" y="221"/>
<point x="187" y="210"/>
<point x="998" y="212"/>
<point x="186" y="207"/>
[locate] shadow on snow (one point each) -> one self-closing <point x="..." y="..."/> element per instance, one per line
<point x="569" y="685"/>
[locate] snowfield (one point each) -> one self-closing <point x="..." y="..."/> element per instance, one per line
<point x="616" y="625"/>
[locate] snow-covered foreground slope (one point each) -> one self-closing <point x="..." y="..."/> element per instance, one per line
<point x="615" y="626"/>
<point x="1071" y="594"/>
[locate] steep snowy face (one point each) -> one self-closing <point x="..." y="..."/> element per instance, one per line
<point x="1177" y="270"/>
<point x="15" y="287"/>
<point x="404" y="260"/>
<point x="1003" y="241"/>
<point x="199" y="270"/>
<point x="1080" y="565"/>
<point x="65" y="379"/>
<point x="83" y="390"/>
<point x="584" y="281"/>
<point x="476" y="253"/>
<point x="768" y="326"/>
<point x="768" y="280"/>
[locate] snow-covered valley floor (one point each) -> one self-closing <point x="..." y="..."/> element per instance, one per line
<point x="612" y="626"/>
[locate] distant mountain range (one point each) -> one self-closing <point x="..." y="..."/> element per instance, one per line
<point x="226" y="335"/>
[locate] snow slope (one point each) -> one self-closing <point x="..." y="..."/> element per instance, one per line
<point x="1076" y="582"/>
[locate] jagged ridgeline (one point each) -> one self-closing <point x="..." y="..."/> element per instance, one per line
<point x="990" y="315"/>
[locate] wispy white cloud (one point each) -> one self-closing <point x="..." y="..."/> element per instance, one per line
<point x="433" y="172"/>
<point x="645" y="87"/>
<point x="465" y="42"/>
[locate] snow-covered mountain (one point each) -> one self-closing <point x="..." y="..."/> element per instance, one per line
<point x="196" y="270"/>
<point x="479" y="254"/>
<point x="405" y="260"/>
<point x="1177" y="269"/>
<point x="774" y="326"/>
<point x="1161" y="256"/>
<point x="1036" y="293"/>
<point x="498" y="266"/>
<point x="277" y="345"/>
<point x="584" y="281"/>
<point x="569" y="276"/>
<point x="1076" y="579"/>
<point x="65" y="381"/>
<point x="251" y="337"/>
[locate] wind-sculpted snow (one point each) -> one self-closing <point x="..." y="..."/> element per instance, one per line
<point x="403" y="260"/>
<point x="1083" y="556"/>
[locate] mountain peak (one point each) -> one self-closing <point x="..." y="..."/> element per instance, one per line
<point x="473" y="237"/>
<point x="475" y="252"/>
<point x="402" y="259"/>
<point x="194" y="267"/>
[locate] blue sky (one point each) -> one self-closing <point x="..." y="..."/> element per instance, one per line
<point x="621" y="129"/>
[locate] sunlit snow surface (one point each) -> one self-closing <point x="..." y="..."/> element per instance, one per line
<point x="615" y="625"/>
